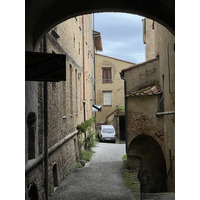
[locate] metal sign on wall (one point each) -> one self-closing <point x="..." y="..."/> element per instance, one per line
<point x="96" y="108"/>
<point x="45" y="67"/>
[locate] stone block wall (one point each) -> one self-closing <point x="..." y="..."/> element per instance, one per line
<point x="160" y="45"/>
<point x="65" y="106"/>
<point x="165" y="48"/>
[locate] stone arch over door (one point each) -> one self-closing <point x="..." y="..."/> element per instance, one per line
<point x="146" y="156"/>
<point x="43" y="15"/>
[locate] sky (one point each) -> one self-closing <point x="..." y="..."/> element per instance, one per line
<point x="122" y="36"/>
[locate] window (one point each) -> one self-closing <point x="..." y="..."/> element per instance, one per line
<point x="64" y="98"/>
<point x="55" y="34"/>
<point x="107" y="98"/>
<point x="33" y="192"/>
<point x="74" y="40"/>
<point x="79" y="48"/>
<point x="55" y="176"/>
<point x="71" y="92"/>
<point x="107" y="78"/>
<point x="76" y="81"/>
<point x="144" y="30"/>
<point x="31" y="122"/>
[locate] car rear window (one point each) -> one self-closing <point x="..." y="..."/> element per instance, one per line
<point x="108" y="130"/>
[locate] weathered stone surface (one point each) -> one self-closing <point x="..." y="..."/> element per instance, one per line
<point x="65" y="105"/>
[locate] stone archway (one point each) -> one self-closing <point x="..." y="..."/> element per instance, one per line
<point x="41" y="16"/>
<point x="146" y="156"/>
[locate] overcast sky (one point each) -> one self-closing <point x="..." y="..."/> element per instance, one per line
<point x="121" y="36"/>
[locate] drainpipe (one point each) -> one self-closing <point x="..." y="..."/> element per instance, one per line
<point x="125" y="99"/>
<point x="84" y="101"/>
<point x="45" y="128"/>
<point x="94" y="72"/>
<point x="83" y="37"/>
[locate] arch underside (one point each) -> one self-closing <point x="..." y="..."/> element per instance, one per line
<point x="151" y="167"/>
<point x="43" y="15"/>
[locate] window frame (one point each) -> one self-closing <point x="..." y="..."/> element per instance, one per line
<point x="106" y="74"/>
<point x="107" y="91"/>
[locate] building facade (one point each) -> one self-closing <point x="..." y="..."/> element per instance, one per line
<point x="110" y="93"/>
<point x="109" y="85"/>
<point x="73" y="38"/>
<point x="150" y="104"/>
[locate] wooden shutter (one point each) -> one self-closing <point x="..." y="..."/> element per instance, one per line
<point x="107" y="77"/>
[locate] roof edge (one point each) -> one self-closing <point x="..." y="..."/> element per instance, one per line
<point x="140" y="64"/>
<point x="115" y="58"/>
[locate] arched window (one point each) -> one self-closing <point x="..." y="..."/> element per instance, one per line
<point x="31" y="119"/>
<point x="33" y="192"/>
<point x="55" y="176"/>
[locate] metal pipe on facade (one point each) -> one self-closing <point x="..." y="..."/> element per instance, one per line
<point x="45" y="128"/>
<point x="53" y="148"/>
<point x="83" y="38"/>
<point x="125" y="100"/>
<point x="94" y="72"/>
<point x="165" y="113"/>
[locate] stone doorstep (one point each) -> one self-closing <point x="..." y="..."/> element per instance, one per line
<point x="158" y="196"/>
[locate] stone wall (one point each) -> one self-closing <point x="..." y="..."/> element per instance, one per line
<point x="142" y="75"/>
<point x="163" y="71"/>
<point x="65" y="106"/>
<point x="141" y="118"/>
<point x="165" y="49"/>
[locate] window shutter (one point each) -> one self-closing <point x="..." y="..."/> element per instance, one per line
<point x="107" y="98"/>
<point x="107" y="75"/>
<point x="104" y="75"/>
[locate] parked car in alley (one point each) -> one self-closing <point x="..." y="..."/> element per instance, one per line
<point x="107" y="133"/>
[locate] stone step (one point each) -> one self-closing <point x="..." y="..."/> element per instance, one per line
<point x="158" y="196"/>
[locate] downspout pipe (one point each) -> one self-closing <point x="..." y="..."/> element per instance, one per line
<point x="94" y="72"/>
<point x="45" y="128"/>
<point x="83" y="38"/>
<point x="84" y="100"/>
<point x="125" y="100"/>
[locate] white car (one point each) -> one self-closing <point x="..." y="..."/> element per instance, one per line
<point x="107" y="133"/>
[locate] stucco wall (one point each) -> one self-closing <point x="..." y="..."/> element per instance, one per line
<point x="142" y="75"/>
<point x="116" y="86"/>
<point x="164" y="47"/>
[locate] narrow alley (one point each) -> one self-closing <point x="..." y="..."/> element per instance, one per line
<point x="100" y="179"/>
<point x="74" y="86"/>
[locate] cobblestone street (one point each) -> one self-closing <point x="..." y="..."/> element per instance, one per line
<point x="100" y="179"/>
